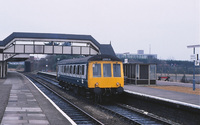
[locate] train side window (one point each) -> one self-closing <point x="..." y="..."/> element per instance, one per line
<point x="74" y="69"/>
<point x="77" y="69"/>
<point x="67" y="69"/>
<point x="59" y="69"/>
<point x="70" y="69"/>
<point x="64" y="69"/>
<point x="116" y="70"/>
<point x="82" y="70"/>
<point x="96" y="70"/>
<point x="107" y="70"/>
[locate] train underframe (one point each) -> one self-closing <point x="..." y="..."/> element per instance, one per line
<point x="97" y="94"/>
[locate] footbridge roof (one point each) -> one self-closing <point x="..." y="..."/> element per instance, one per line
<point x="16" y="43"/>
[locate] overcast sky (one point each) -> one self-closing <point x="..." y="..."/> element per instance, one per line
<point x="167" y="26"/>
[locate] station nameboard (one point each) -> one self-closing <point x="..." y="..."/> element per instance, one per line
<point x="193" y="57"/>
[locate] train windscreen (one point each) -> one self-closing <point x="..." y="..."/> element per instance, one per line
<point x="116" y="70"/>
<point x="107" y="70"/>
<point x="96" y="70"/>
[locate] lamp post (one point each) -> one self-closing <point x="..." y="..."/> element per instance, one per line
<point x="193" y="46"/>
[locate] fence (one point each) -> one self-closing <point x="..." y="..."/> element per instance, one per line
<point x="188" y="78"/>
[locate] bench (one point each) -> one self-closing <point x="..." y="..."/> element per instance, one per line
<point x="164" y="77"/>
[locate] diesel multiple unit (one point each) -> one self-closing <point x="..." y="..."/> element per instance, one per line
<point x="99" y="74"/>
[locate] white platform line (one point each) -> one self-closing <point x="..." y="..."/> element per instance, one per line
<point x="164" y="99"/>
<point x="64" y="114"/>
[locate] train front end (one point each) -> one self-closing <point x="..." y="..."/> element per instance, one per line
<point x="106" y="77"/>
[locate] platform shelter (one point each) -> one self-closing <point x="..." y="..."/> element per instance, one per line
<point x="139" y="73"/>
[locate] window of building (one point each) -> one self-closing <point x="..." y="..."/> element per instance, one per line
<point x="152" y="72"/>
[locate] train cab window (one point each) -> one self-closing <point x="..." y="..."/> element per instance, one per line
<point x="116" y="70"/>
<point x="96" y="70"/>
<point x="107" y="70"/>
<point x="82" y="69"/>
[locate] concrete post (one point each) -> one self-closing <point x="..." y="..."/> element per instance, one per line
<point x="3" y="69"/>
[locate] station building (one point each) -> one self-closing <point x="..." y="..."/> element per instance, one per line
<point x="140" y="55"/>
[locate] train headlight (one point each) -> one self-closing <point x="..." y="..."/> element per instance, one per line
<point x="118" y="84"/>
<point x="97" y="84"/>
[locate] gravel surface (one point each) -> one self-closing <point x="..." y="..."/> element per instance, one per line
<point x="4" y="96"/>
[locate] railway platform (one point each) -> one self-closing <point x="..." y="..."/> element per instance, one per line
<point x="21" y="103"/>
<point x="175" y="92"/>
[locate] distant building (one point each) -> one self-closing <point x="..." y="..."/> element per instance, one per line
<point x="140" y="55"/>
<point x="140" y="51"/>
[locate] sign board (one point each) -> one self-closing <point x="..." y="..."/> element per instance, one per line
<point x="193" y="57"/>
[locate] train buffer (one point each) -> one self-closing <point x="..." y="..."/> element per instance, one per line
<point x="166" y="78"/>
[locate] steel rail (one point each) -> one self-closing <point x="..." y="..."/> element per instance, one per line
<point x="76" y="107"/>
<point x="134" y="117"/>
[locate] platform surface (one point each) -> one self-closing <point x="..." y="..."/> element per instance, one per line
<point x="23" y="104"/>
<point x="167" y="94"/>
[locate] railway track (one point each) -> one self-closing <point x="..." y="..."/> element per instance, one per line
<point x="75" y="113"/>
<point x="133" y="115"/>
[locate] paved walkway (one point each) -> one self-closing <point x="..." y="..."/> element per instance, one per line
<point x="27" y="106"/>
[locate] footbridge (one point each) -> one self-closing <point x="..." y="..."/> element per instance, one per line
<point x="18" y="45"/>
